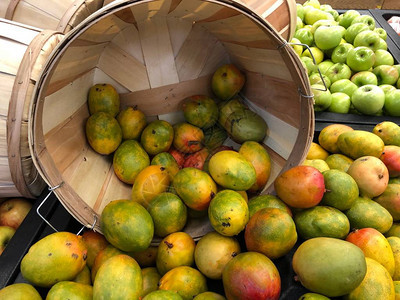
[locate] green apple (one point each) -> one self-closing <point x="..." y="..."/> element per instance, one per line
<point x="339" y="19"/>
<point x="382" y="33"/>
<point x="329" y="9"/>
<point x="360" y="59"/>
<point x="367" y="38"/>
<point x="387" y="88"/>
<point x="343" y="86"/>
<point x="316" y="53"/>
<point x="309" y="65"/>
<point x="382" y="44"/>
<point x="313" y="3"/>
<point x="320" y="23"/>
<point x="6" y="233"/>
<point x="397" y="66"/>
<point x="364" y="78"/>
<point x="305" y="36"/>
<point x="368" y="99"/>
<point x="348" y="17"/>
<point x="339" y="54"/>
<point x="334" y="13"/>
<point x="296" y="47"/>
<point x="398" y="83"/>
<point x="383" y="57"/>
<point x="353" y="30"/>
<point x="340" y="103"/>
<point x="299" y="23"/>
<point x="313" y="15"/>
<point x="386" y="74"/>
<point x="300" y="11"/>
<point x="327" y="37"/>
<point x="322" y="99"/>
<point x="325" y="65"/>
<point x="315" y="78"/>
<point x="392" y="103"/>
<point x="366" y="19"/>
<point x="338" y="71"/>
<point x="325" y="7"/>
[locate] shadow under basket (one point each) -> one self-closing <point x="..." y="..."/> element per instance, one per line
<point x="156" y="53"/>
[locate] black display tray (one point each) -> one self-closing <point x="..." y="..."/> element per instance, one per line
<point x="381" y="17"/>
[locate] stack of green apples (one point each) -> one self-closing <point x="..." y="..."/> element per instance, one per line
<point x="352" y="55"/>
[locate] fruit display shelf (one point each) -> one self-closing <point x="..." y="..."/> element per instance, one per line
<point x="34" y="228"/>
<point x="364" y="122"/>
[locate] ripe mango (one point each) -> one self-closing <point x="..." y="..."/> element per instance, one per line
<point x="390" y="200"/>
<point x="389" y="132"/>
<point x="319" y="164"/>
<point x="329" y="266"/>
<point x="377" y="284"/>
<point x="329" y="135"/>
<point x="391" y="159"/>
<point x="371" y="175"/>
<point x="339" y="162"/>
<point x="57" y="257"/>
<point x="119" y="277"/>
<point x="262" y="201"/>
<point x="150" y="278"/>
<point x="70" y="290"/>
<point x="358" y="143"/>
<point x="101" y="257"/>
<point x="374" y="245"/>
<point x="317" y="152"/>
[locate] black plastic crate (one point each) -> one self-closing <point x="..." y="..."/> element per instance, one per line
<point x="381" y="16"/>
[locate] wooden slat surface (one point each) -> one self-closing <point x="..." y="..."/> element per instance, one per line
<point x="28" y="14"/>
<point x="128" y="40"/>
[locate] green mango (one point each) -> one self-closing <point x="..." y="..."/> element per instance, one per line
<point x="70" y="290"/>
<point x="119" y="277"/>
<point x="19" y="291"/>
<point x="358" y="143"/>
<point x="389" y="132"/>
<point x="57" y="257"/>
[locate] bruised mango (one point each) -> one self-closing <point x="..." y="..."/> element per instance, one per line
<point x="263" y="201"/>
<point x="186" y="281"/>
<point x="329" y="266"/>
<point x="228" y="107"/>
<point x="213" y="251"/>
<point x="374" y="245"/>
<point x="119" y="277"/>
<point x="197" y="159"/>
<point x="19" y="291"/>
<point x="376" y="285"/>
<point x="57" y="257"/>
<point x="127" y="225"/>
<point x="188" y="138"/>
<point x="166" y="160"/>
<point x="232" y="170"/>
<point x="214" y="137"/>
<point x="358" y="143"/>
<point x="366" y="213"/>
<point x="95" y="242"/>
<point x="195" y="187"/>
<point x="150" y="182"/>
<point x="176" y="249"/>
<point x="157" y="137"/>
<point x="228" y="213"/>
<point x="329" y="135"/>
<point x="70" y="290"/>
<point x="322" y="221"/>
<point x="200" y="111"/>
<point x="258" y="156"/>
<point x="389" y="132"/>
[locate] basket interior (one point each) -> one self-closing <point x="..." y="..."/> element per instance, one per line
<point x="156" y="53"/>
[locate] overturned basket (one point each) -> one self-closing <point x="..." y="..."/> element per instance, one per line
<point x="157" y="53"/>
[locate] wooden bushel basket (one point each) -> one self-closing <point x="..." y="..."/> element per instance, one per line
<point x="60" y="15"/>
<point x="24" y="50"/>
<point x="156" y="53"/>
